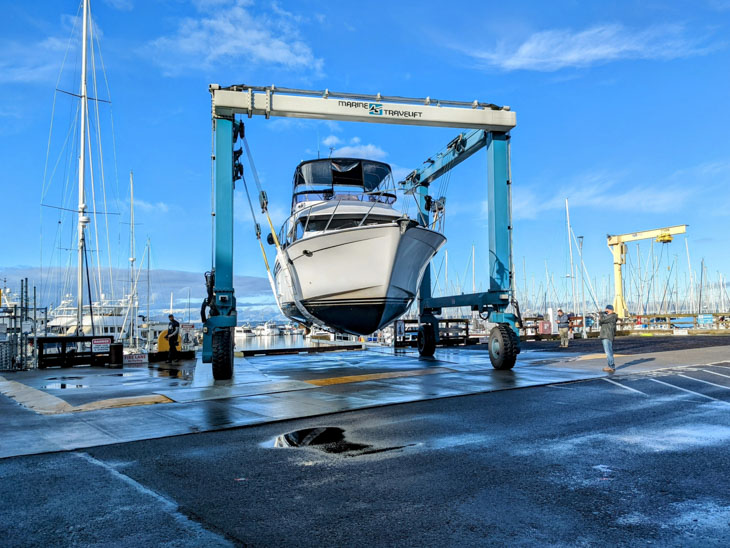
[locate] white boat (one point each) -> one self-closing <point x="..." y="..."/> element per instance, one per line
<point x="244" y="331"/>
<point x="270" y="330"/>
<point x="349" y="261"/>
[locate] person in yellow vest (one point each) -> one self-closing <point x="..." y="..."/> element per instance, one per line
<point x="173" y="330"/>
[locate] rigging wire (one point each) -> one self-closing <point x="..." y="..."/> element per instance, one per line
<point x="591" y="292"/>
<point x="45" y="181"/>
<point x="101" y="165"/>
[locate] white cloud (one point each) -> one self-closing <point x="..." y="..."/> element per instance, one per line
<point x="156" y="207"/>
<point x="601" y="191"/>
<point x="30" y="63"/>
<point x="370" y="152"/>
<point x="227" y="32"/>
<point x="400" y="172"/>
<point x="39" y="61"/>
<point x="553" y="50"/>
<point x="355" y="141"/>
<point x="242" y="212"/>
<point x="331" y="141"/>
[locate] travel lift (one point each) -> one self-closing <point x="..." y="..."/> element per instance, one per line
<point x="617" y="245"/>
<point x="491" y="124"/>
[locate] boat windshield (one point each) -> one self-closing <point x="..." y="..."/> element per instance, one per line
<point x="343" y="178"/>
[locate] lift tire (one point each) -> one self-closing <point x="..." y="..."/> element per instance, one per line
<point x="503" y="347"/>
<point x="222" y="355"/>
<point x="426" y="340"/>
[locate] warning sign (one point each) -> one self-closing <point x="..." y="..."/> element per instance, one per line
<point x="187" y="335"/>
<point x="100" y="345"/>
<point x="135" y="359"/>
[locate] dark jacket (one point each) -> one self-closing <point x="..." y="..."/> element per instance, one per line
<point x="173" y="329"/>
<point x="608" y="326"/>
<point x="563" y="321"/>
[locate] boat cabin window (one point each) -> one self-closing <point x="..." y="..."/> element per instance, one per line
<point x="340" y="222"/>
<point x="343" y="179"/>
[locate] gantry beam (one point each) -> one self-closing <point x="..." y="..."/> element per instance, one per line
<point x="326" y="105"/>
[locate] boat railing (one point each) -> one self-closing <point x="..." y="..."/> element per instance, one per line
<point x="290" y="236"/>
<point x="381" y="196"/>
<point x="332" y="216"/>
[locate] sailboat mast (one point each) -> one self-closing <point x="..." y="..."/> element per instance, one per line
<point x="570" y="247"/>
<point x="83" y="219"/>
<point x="149" y="319"/>
<point x="473" y="271"/>
<point x="691" y="283"/>
<point x="132" y="288"/>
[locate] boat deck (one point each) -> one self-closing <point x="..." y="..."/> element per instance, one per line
<point x="66" y="409"/>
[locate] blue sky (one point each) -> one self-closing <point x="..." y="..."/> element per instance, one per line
<point x="622" y="108"/>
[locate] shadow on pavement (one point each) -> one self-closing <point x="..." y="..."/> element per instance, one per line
<point x="635" y="362"/>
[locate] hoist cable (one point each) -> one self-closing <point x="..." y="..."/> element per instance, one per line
<point x="282" y="253"/>
<point x="257" y="229"/>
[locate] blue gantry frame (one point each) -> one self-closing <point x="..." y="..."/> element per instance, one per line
<point x="497" y="299"/>
<point x="225" y="301"/>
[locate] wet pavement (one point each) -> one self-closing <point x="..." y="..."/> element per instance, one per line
<point x="67" y="409"/>
<point x="633" y="459"/>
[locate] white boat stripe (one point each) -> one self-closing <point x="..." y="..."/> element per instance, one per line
<point x="688" y="391"/>
<point x="716" y="373"/>
<point x="706" y="382"/>
<point x="626" y="387"/>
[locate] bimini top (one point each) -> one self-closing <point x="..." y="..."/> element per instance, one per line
<point x="326" y="178"/>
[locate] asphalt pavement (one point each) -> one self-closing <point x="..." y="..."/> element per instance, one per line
<point x="630" y="459"/>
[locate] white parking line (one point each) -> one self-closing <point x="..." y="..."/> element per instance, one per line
<point x="689" y="391"/>
<point x="626" y="387"/>
<point x="706" y="382"/>
<point x="716" y="373"/>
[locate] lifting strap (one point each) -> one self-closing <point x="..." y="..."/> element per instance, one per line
<point x="282" y="254"/>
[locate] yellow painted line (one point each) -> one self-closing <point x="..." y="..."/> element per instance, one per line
<point x="378" y="376"/>
<point x="601" y="355"/>
<point x="123" y="402"/>
<point x="37" y="400"/>
<point x="44" y="403"/>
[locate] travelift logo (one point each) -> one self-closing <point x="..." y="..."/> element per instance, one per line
<point x="376" y="109"/>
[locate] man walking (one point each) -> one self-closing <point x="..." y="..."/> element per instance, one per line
<point x="607" y="321"/>
<point x="563" y="328"/>
<point x="173" y="330"/>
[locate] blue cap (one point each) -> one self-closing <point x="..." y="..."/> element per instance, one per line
<point x="609" y="307"/>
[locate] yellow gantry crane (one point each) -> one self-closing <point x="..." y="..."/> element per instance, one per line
<point x="617" y="245"/>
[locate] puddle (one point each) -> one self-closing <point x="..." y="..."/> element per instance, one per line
<point x="64" y="386"/>
<point x="63" y="378"/>
<point x="330" y="440"/>
<point x="119" y="375"/>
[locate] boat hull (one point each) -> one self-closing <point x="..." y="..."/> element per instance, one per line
<point x="356" y="280"/>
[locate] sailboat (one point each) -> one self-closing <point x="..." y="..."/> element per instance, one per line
<point x="101" y="315"/>
<point x="348" y="261"/>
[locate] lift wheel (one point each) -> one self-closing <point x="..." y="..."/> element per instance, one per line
<point x="503" y="346"/>
<point x="222" y="354"/>
<point x="426" y="340"/>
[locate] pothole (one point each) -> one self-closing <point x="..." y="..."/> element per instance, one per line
<point x="329" y="439"/>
